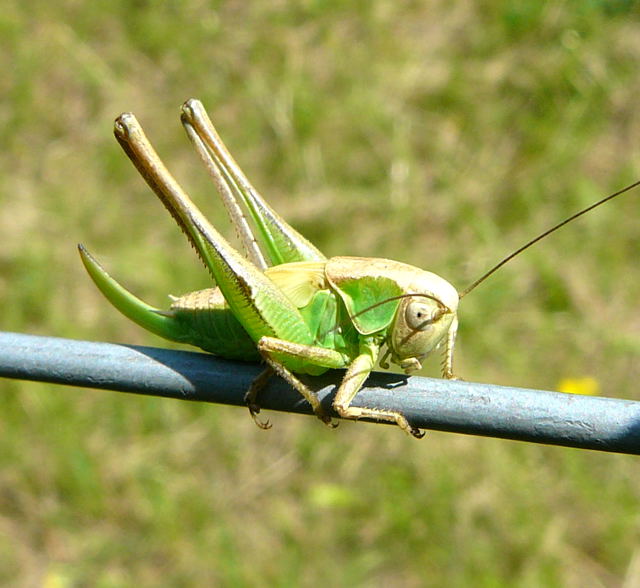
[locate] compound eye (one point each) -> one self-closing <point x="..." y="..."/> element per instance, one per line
<point x="419" y="315"/>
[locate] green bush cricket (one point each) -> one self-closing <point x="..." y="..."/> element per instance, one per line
<point x="286" y="303"/>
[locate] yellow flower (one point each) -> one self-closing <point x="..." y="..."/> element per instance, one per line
<point x="588" y="385"/>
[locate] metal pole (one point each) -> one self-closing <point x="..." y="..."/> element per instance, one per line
<point x="605" y="424"/>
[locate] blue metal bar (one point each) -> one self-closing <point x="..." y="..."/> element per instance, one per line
<point x="605" y="424"/>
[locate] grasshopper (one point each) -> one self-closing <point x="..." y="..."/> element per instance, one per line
<point x="286" y="303"/>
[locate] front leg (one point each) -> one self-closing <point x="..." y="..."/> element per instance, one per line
<point x="447" y="364"/>
<point x="356" y="375"/>
<point x="357" y="372"/>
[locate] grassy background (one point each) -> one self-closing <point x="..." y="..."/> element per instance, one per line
<point x="441" y="134"/>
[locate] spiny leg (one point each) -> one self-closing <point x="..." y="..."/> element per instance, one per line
<point x="226" y="188"/>
<point x="357" y="372"/>
<point x="250" y="398"/>
<point x="255" y="301"/>
<point x="283" y="243"/>
<point x="269" y="347"/>
<point x="356" y="375"/>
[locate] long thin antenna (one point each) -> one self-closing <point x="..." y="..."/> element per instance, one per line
<point x="496" y="267"/>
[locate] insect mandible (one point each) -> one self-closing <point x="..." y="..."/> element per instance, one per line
<point x="286" y="303"/>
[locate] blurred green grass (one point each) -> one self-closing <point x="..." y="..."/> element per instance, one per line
<point x="440" y="134"/>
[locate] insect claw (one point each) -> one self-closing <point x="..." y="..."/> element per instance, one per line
<point x="254" y="409"/>
<point x="251" y="394"/>
<point x="417" y="433"/>
<point x="264" y="425"/>
<point x="326" y="419"/>
<point x="330" y="423"/>
<point x="453" y="377"/>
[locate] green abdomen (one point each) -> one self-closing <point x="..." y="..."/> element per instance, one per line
<point x="208" y="323"/>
